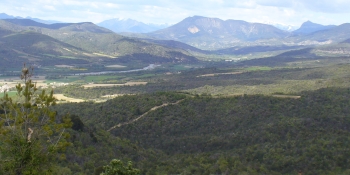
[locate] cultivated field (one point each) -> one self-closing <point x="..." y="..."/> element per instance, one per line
<point x="111" y="85"/>
<point x="215" y="74"/>
<point x="63" y="99"/>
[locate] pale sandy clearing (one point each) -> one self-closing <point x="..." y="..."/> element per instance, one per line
<point x="104" y="55"/>
<point x="101" y="85"/>
<point x="67" y="99"/>
<point x="115" y="66"/>
<point x="211" y="75"/>
<point x="112" y="96"/>
<point x="64" y="66"/>
<point x="111" y="85"/>
<point x="135" y="83"/>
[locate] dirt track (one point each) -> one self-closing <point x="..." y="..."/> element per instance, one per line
<point x="138" y="118"/>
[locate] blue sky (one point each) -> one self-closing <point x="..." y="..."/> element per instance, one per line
<point x="291" y="12"/>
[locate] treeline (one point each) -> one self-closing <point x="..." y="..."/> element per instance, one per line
<point x="251" y="134"/>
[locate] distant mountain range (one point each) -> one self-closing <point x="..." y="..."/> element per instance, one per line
<point x="130" y="25"/>
<point x="203" y="37"/>
<point x="6" y="16"/>
<point x="285" y="27"/>
<point x="30" y="41"/>
<point x="213" y="33"/>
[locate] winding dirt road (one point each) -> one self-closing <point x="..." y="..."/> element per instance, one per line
<point x="144" y="114"/>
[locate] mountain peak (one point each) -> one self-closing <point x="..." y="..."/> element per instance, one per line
<point x="310" y="23"/>
<point x="198" y="31"/>
<point x="311" y="27"/>
<point x="78" y="27"/>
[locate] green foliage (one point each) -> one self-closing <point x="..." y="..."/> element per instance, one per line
<point x="251" y="134"/>
<point x="31" y="135"/>
<point x="116" y="167"/>
<point x="78" y="125"/>
<point x="119" y="110"/>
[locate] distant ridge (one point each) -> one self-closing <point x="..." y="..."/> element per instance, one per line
<point x="212" y="33"/>
<point x="129" y="25"/>
<point x="87" y="26"/>
<point x="335" y="34"/>
<point x="310" y="27"/>
<point x="6" y="16"/>
<point x="25" y="39"/>
<point x="346" y="41"/>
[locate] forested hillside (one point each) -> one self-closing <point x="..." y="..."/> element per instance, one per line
<point x="252" y="134"/>
<point x="258" y="101"/>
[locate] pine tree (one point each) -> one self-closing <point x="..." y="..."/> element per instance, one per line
<point x="116" y="167"/>
<point x="31" y="135"/>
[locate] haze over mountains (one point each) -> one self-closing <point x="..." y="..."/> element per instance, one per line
<point x="203" y="32"/>
<point x="27" y="40"/>
<point x="214" y="33"/>
<point x="310" y="27"/>
<point x="6" y="16"/>
<point x="192" y="37"/>
<point x="130" y="25"/>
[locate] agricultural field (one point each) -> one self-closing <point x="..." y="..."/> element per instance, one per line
<point x="211" y="78"/>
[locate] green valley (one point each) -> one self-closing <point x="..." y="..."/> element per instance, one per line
<point x="203" y="96"/>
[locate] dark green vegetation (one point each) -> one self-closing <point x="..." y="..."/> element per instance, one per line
<point x="284" y="112"/>
<point x="204" y="135"/>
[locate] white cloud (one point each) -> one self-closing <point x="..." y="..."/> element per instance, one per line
<point x="49" y="7"/>
<point x="169" y="11"/>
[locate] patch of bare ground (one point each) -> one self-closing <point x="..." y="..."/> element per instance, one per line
<point x="64" y="66"/>
<point x="112" y="96"/>
<point x="111" y="85"/>
<point x="215" y="74"/>
<point x="141" y="116"/>
<point x="115" y="66"/>
<point x="104" y="55"/>
<point x="63" y="99"/>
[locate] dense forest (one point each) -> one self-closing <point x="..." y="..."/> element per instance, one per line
<point x="250" y="134"/>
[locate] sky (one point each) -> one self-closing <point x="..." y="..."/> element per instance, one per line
<point x="287" y="12"/>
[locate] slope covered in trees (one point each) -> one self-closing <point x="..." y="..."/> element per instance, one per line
<point x="246" y="134"/>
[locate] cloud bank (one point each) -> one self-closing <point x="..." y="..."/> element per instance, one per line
<point x="292" y="12"/>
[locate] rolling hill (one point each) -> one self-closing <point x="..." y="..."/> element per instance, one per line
<point x="252" y="133"/>
<point x="92" y="41"/>
<point x="32" y="47"/>
<point x="336" y="34"/>
<point x="331" y="35"/>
